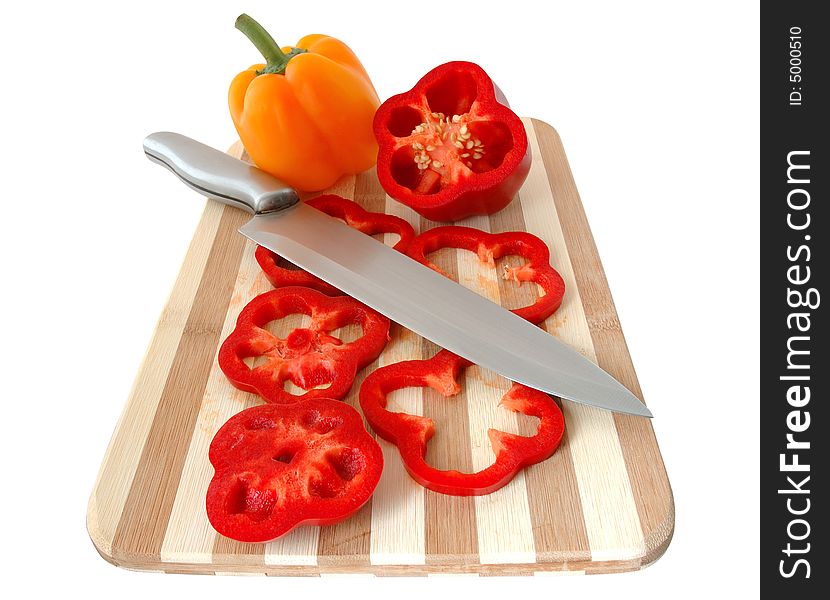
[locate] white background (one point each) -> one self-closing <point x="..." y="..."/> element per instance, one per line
<point x="657" y="105"/>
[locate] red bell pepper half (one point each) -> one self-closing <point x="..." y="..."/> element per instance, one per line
<point x="410" y="433"/>
<point x="310" y="357"/>
<point x="491" y="246"/>
<point x="279" y="466"/>
<point x="450" y="147"/>
<point x="355" y="216"/>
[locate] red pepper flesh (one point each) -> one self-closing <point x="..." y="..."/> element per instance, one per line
<point x="355" y="216"/>
<point x="310" y="357"/>
<point x="450" y="148"/>
<point x="280" y="466"/>
<point x="410" y="433"/>
<point x="490" y="247"/>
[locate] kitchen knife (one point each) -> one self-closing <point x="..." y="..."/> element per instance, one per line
<point x="406" y="291"/>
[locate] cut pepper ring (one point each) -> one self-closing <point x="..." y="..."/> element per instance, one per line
<point x="410" y="433"/>
<point x="489" y="247"/>
<point x="280" y="466"/>
<point x="309" y="357"/>
<point x="355" y="216"/>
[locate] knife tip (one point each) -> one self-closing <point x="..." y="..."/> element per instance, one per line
<point x="640" y="410"/>
<point x="647" y="413"/>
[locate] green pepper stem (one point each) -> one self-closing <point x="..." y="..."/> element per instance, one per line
<point x="275" y="59"/>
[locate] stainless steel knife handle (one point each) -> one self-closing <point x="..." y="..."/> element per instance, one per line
<point x="219" y="176"/>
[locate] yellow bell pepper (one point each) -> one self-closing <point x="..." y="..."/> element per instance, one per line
<point x="306" y="115"/>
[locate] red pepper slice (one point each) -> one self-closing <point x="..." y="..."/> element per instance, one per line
<point x="355" y="216"/>
<point x="309" y="357"/>
<point x="410" y="433"/>
<point x="450" y="147"/>
<point x="491" y="246"/>
<point x="280" y="466"/>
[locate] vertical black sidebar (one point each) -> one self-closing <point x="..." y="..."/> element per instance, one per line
<point x="795" y="364"/>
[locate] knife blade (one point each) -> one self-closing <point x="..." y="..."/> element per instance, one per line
<point x="406" y="291"/>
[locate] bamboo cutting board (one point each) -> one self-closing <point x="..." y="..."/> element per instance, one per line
<point x="602" y="503"/>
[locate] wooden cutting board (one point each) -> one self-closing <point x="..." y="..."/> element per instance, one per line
<point x="601" y="504"/>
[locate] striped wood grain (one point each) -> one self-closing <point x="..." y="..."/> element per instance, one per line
<point x="602" y="503"/>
